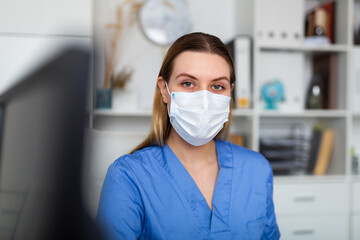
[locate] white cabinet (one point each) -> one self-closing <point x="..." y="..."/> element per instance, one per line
<point x="314" y="198"/>
<point x="312" y="209"/>
<point x="314" y="227"/>
<point x="356" y="197"/>
<point x="355" y="227"/>
<point x="355" y="210"/>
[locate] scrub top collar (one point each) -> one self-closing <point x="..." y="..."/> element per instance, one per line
<point x="216" y="220"/>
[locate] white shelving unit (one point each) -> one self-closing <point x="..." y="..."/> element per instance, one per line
<point x="308" y="207"/>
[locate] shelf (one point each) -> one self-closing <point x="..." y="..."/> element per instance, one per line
<point x="235" y="113"/>
<point x="307" y="48"/>
<point x="355" y="178"/>
<point x="309" y="179"/>
<point x="147" y="113"/>
<point x="121" y="113"/>
<point x="307" y="114"/>
<point x="242" y="112"/>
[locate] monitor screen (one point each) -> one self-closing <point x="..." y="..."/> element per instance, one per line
<point x="42" y="120"/>
<point x="1" y="127"/>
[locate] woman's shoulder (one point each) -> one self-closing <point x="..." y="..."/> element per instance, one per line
<point x="136" y="159"/>
<point x="246" y="156"/>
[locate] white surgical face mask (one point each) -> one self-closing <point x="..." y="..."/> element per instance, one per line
<point x="198" y="116"/>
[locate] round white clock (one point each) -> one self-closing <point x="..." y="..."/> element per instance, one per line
<point x="163" y="21"/>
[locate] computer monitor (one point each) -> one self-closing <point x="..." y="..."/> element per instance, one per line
<point x="41" y="142"/>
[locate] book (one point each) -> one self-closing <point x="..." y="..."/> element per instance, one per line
<point x="309" y="25"/>
<point x="314" y="149"/>
<point x="326" y="66"/>
<point x="241" y="50"/>
<point x="320" y="22"/>
<point x="329" y="8"/>
<point x="325" y="151"/>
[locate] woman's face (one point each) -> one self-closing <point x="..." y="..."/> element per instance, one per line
<point x="196" y="71"/>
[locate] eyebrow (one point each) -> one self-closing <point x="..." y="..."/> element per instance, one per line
<point x="191" y="76"/>
<point x="185" y="75"/>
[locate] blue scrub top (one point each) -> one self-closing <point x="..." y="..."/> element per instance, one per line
<point x="150" y="195"/>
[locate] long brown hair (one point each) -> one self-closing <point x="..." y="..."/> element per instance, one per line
<point x="196" y="42"/>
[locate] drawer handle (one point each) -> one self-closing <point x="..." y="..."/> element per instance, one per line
<point x="304" y="232"/>
<point x="304" y="199"/>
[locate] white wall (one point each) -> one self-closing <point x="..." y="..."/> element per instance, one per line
<point x="31" y="31"/>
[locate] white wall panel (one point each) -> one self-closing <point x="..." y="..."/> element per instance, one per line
<point x="214" y="17"/>
<point x="65" y="17"/>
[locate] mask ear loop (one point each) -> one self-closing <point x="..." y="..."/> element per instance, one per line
<point x="167" y="105"/>
<point x="167" y="88"/>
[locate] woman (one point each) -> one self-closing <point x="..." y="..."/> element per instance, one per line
<point x="183" y="181"/>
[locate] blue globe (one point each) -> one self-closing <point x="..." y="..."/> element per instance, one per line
<point x="273" y="92"/>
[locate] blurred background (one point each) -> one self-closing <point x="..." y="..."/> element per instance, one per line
<point x="296" y="99"/>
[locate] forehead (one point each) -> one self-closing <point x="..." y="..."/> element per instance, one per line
<point x="201" y="63"/>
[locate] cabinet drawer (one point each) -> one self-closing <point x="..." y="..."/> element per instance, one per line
<point x="355" y="232"/>
<point x="314" y="227"/>
<point x="311" y="198"/>
<point x="356" y="197"/>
